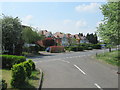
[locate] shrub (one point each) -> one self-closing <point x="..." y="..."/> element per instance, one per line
<point x="18" y="75"/>
<point x="27" y="68"/>
<point x="89" y="48"/>
<point x="9" y="60"/>
<point x="96" y="46"/>
<point x="72" y="48"/>
<point x="80" y="48"/>
<point x="56" y="49"/>
<point x="3" y="84"/>
<point x="76" y="48"/>
<point x="32" y="64"/>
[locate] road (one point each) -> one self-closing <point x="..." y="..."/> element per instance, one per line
<point x="76" y="70"/>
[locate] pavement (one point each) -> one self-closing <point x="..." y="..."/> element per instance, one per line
<point x="76" y="70"/>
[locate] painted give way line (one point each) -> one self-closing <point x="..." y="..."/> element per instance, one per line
<point x="98" y="86"/>
<point x="80" y="69"/>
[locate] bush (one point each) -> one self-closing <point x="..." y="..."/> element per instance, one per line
<point x="76" y="48"/>
<point x="72" y="48"/>
<point x="32" y="64"/>
<point x="18" y="75"/>
<point x="86" y="46"/>
<point x="9" y="60"/>
<point x="96" y="46"/>
<point x="89" y="48"/>
<point x="27" y="68"/>
<point x="80" y="48"/>
<point x="56" y="49"/>
<point x="4" y="85"/>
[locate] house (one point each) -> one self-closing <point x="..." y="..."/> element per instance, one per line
<point x="77" y="38"/>
<point x="45" y="33"/>
<point x="65" y="40"/>
<point x="83" y="39"/>
<point x="61" y="39"/>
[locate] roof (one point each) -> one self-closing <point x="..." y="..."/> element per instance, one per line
<point x="77" y="36"/>
<point x="58" y="35"/>
<point x="45" y="32"/>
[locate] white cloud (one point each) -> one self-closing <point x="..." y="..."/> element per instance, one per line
<point x="81" y="23"/>
<point x="67" y="21"/>
<point x="27" y="20"/>
<point x="28" y="17"/>
<point x="92" y="7"/>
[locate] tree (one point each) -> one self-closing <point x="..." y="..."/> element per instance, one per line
<point x="109" y="29"/>
<point x="92" y="38"/>
<point x="29" y="36"/>
<point x="11" y="35"/>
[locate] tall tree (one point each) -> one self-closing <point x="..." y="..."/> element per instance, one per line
<point x="29" y="36"/>
<point x="109" y="29"/>
<point x="11" y="35"/>
<point x="92" y="38"/>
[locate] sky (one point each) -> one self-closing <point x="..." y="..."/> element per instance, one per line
<point x="66" y="17"/>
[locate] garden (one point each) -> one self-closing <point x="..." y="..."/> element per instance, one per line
<point x="18" y="73"/>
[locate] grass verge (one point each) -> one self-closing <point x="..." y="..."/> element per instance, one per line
<point x="112" y="58"/>
<point x="32" y="82"/>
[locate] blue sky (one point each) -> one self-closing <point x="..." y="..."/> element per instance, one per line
<point x="66" y="17"/>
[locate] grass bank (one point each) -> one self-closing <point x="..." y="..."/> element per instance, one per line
<point x="32" y="82"/>
<point x="112" y="58"/>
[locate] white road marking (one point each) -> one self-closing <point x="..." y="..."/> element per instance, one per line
<point x="98" y="86"/>
<point x="80" y="69"/>
<point x="49" y="60"/>
<point x="65" y="61"/>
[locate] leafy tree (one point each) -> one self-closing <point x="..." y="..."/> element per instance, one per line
<point x="92" y="38"/>
<point x="11" y="35"/>
<point x="109" y="29"/>
<point x="80" y="34"/>
<point x="30" y="36"/>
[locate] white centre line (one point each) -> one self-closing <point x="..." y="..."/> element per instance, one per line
<point x="98" y="86"/>
<point x="65" y="61"/>
<point x="80" y="69"/>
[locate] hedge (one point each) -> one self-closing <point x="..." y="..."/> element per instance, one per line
<point x="76" y="48"/>
<point x="27" y="68"/>
<point x="18" y="75"/>
<point x="32" y="64"/>
<point x="9" y="60"/>
<point x="20" y="72"/>
<point x="56" y="49"/>
<point x="3" y="84"/>
<point x="96" y="46"/>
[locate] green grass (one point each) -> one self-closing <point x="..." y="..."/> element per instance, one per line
<point x="32" y="82"/>
<point x="112" y="58"/>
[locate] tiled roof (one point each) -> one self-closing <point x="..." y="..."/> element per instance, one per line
<point x="58" y="34"/>
<point x="76" y="36"/>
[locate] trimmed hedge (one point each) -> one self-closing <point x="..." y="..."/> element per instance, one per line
<point x="56" y="49"/>
<point x="9" y="60"/>
<point x="20" y="72"/>
<point x="18" y="75"/>
<point x="32" y="64"/>
<point x="96" y="46"/>
<point x="27" y="68"/>
<point x="3" y="84"/>
<point x="76" y="48"/>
